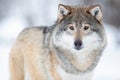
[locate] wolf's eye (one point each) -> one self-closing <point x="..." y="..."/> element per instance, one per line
<point x="71" y="27"/>
<point x="86" y="27"/>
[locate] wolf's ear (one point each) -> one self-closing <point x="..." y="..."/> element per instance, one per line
<point x="63" y="11"/>
<point x="96" y="12"/>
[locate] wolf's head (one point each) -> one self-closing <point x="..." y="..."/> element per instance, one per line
<point x="79" y="27"/>
<point x="79" y="36"/>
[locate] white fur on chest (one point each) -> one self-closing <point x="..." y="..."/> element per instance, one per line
<point x="69" y="76"/>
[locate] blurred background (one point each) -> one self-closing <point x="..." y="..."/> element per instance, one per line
<point x="15" y="15"/>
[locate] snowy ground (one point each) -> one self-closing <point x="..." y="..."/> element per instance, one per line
<point x="107" y="69"/>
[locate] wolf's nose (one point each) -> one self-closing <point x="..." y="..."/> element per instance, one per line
<point x="78" y="44"/>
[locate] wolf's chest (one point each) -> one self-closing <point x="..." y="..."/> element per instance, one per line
<point x="70" y="76"/>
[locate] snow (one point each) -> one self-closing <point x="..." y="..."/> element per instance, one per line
<point x="4" y="68"/>
<point x="14" y="25"/>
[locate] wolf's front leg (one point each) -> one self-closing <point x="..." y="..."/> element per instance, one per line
<point x="16" y="67"/>
<point x="34" y="68"/>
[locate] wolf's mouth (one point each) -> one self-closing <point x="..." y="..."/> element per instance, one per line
<point x="78" y="48"/>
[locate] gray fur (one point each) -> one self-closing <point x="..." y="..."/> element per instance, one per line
<point x="78" y="18"/>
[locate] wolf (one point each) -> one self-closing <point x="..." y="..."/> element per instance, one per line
<point x="68" y="50"/>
